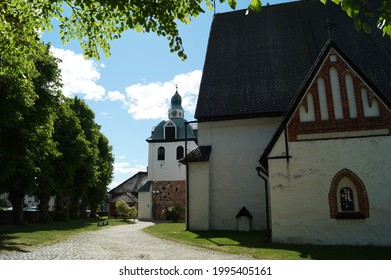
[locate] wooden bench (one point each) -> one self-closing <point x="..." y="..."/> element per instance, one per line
<point x="103" y="223"/>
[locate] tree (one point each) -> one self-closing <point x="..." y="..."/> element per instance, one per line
<point x="97" y="192"/>
<point x="86" y="172"/>
<point x="26" y="129"/>
<point x="73" y="147"/>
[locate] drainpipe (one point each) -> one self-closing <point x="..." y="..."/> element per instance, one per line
<point x="262" y="172"/>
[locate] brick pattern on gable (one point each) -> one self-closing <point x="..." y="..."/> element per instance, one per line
<point x="347" y="124"/>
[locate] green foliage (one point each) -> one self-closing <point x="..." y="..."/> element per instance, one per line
<point x="95" y="23"/>
<point x="26" y="144"/>
<point x="124" y="210"/>
<point x="174" y="211"/>
<point x="50" y="145"/>
<point x="362" y="12"/>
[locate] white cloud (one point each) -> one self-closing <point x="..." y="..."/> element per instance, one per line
<point x="151" y="101"/>
<point x="79" y="75"/>
<point x="125" y="168"/>
<point x="116" y="95"/>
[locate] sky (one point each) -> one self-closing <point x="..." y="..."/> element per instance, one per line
<point x="130" y="91"/>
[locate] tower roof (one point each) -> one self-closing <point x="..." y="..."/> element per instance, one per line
<point x="175" y="121"/>
<point x="176" y="101"/>
<point x="180" y="124"/>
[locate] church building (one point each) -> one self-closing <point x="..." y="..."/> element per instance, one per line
<point x="294" y="127"/>
<point x="166" y="176"/>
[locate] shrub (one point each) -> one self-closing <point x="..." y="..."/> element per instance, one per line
<point x="125" y="211"/>
<point x="174" y="211"/>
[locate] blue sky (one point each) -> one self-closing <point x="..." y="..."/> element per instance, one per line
<point x="130" y="91"/>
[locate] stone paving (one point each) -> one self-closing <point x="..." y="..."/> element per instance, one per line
<point x="125" y="242"/>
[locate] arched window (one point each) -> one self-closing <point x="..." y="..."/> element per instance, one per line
<point x="161" y="153"/>
<point x="348" y="198"/>
<point x="179" y="152"/>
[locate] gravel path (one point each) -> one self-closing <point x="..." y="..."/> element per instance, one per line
<point x="127" y="242"/>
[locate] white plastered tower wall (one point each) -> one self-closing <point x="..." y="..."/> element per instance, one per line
<point x="169" y="168"/>
<point x="144" y="205"/>
<point x="199" y="202"/>
<point x="229" y="180"/>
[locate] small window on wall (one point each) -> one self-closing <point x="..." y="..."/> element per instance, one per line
<point x="348" y="198"/>
<point x="179" y="152"/>
<point x="161" y="153"/>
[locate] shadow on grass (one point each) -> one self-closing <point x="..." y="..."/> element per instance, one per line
<point x="20" y="237"/>
<point x="7" y="244"/>
<point x="254" y="243"/>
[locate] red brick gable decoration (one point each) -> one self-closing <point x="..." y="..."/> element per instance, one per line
<point x="338" y="104"/>
<point x="362" y="208"/>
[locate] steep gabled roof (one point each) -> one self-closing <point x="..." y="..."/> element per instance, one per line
<point x="330" y="45"/>
<point x="255" y="64"/>
<point x="131" y="185"/>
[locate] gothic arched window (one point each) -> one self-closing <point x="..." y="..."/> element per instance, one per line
<point x="348" y="198"/>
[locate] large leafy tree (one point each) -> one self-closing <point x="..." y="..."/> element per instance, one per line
<point x="27" y="111"/>
<point x="97" y="191"/>
<point x="73" y="148"/>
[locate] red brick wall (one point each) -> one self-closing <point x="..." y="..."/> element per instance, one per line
<point x="295" y="127"/>
<point x="165" y="193"/>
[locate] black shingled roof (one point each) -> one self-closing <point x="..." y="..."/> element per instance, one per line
<point x="131" y="185"/>
<point x="255" y="64"/>
<point x="199" y="154"/>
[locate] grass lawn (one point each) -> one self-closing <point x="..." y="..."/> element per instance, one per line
<point x="252" y="244"/>
<point x="21" y="237"/>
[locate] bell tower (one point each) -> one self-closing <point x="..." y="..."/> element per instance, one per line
<point x="176" y="111"/>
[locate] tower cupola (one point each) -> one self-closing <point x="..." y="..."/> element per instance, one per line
<point x="176" y="111"/>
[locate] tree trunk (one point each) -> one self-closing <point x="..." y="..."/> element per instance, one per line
<point x="43" y="208"/>
<point x="17" y="201"/>
<point x="74" y="209"/>
<point x="93" y="208"/>
<point x="61" y="209"/>
<point x="83" y="209"/>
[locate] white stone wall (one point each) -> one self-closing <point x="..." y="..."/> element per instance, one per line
<point x="299" y="191"/>
<point x="145" y="206"/>
<point x="233" y="179"/>
<point x="198" y="204"/>
<point x="168" y="169"/>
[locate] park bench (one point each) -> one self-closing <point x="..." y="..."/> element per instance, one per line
<point x="103" y="223"/>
